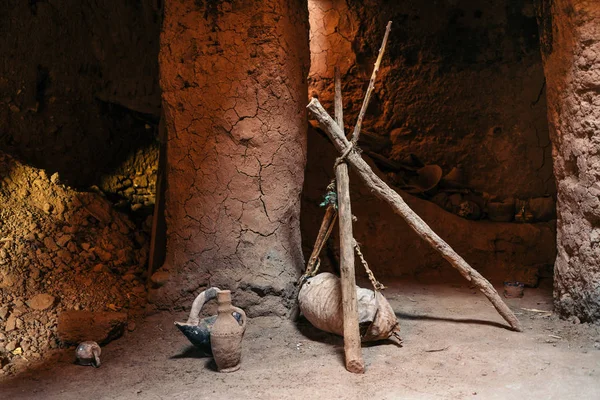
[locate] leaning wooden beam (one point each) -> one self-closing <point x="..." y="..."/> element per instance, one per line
<point x="384" y="192"/>
<point x="352" y="350"/>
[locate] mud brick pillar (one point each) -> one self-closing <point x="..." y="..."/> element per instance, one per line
<point x="571" y="50"/>
<point x="233" y="76"/>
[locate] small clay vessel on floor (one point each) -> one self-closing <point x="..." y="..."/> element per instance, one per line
<point x="226" y="335"/>
<point x="88" y="353"/>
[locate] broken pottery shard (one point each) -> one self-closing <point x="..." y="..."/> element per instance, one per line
<point x="79" y="326"/>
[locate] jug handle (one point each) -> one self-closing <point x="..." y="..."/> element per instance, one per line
<point x="243" y="314"/>
<point x="199" y="301"/>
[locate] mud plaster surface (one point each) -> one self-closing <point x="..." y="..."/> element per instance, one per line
<point x="461" y="84"/>
<point x="455" y="347"/>
<point x="233" y="80"/>
<point x="573" y="71"/>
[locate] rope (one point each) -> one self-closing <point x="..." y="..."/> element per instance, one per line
<point x="308" y="274"/>
<point x="341" y="159"/>
<point x="330" y="195"/>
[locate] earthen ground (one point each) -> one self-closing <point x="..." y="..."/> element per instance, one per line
<point x="455" y="347"/>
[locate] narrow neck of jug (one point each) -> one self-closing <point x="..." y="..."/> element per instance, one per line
<point x="224" y="299"/>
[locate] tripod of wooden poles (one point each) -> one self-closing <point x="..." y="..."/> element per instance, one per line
<point x="350" y="156"/>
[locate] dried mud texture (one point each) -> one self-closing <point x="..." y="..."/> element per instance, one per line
<point x="233" y="81"/>
<point x="59" y="250"/>
<point x="499" y="251"/>
<point x="78" y="83"/>
<point x="572" y="68"/>
<point x="461" y="84"/>
<point x="332" y="29"/>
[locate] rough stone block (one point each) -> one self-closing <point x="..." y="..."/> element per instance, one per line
<point x="101" y="327"/>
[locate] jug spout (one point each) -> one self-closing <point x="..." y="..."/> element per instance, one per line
<point x="198" y="335"/>
<point x="198" y="331"/>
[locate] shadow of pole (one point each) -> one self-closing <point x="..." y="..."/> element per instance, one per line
<point x="421" y="317"/>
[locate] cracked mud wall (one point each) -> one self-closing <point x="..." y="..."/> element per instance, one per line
<point x="461" y="85"/>
<point x="571" y="50"/>
<point x="233" y="76"/>
<point x="78" y="83"/>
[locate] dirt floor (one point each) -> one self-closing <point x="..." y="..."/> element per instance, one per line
<point x="455" y="347"/>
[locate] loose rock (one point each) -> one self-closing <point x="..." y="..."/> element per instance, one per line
<point x="41" y="301"/>
<point x="159" y="278"/>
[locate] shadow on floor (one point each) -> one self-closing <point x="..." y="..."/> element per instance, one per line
<point x="190" y="352"/>
<point x="404" y="316"/>
<point x="317" y="335"/>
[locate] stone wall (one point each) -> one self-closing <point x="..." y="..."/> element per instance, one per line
<point x="132" y="185"/>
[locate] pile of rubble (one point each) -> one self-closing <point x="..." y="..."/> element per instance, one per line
<point x="133" y="185"/>
<point x="60" y="250"/>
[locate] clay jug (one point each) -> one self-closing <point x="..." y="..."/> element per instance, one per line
<point x="226" y="335"/>
<point x="198" y="330"/>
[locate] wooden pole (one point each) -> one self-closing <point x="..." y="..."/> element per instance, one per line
<point x="324" y="232"/>
<point x="384" y="192"/>
<point x="158" y="238"/>
<point x="338" y="104"/>
<point x="363" y="109"/>
<point x="352" y="350"/>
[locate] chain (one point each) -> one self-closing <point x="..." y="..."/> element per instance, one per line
<point x="331" y="198"/>
<point x="378" y="286"/>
